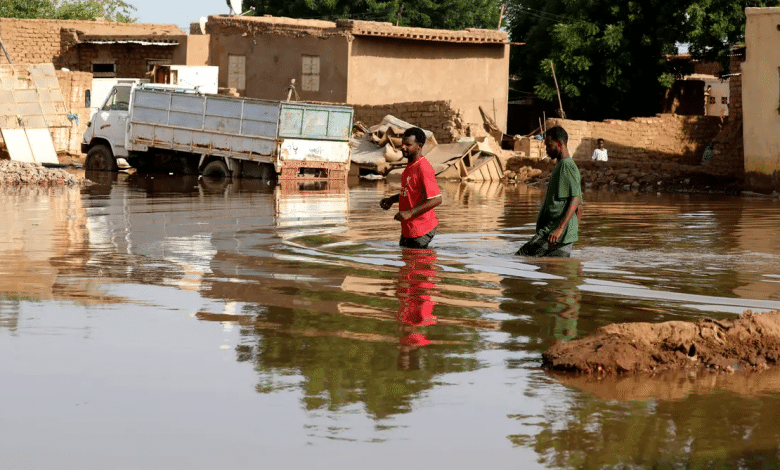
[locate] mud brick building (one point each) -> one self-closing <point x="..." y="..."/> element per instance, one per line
<point x="374" y="66"/>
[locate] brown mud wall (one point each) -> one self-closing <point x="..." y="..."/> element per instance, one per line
<point x="41" y="41"/>
<point x="666" y="138"/>
<point x="74" y="86"/>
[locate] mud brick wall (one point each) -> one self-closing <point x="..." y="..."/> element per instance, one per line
<point x="435" y="116"/>
<point x="31" y="41"/>
<point x="664" y="138"/>
<point x="728" y="155"/>
<point x="130" y="61"/>
<point x="43" y="41"/>
<point x="74" y="86"/>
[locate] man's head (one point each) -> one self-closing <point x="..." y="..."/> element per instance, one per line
<point x="600" y="143"/>
<point x="412" y="144"/>
<point x="555" y="142"/>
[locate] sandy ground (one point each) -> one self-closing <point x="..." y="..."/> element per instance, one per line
<point x="750" y="342"/>
<point x="14" y="173"/>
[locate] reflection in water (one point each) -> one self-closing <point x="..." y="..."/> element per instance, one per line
<point x="416" y="281"/>
<point x="344" y="336"/>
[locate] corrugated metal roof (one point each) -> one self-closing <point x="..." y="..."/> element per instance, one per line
<point x="140" y="42"/>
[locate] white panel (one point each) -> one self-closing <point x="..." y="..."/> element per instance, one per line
<point x="17" y="145"/>
<point x="315" y="151"/>
<point x="42" y="146"/>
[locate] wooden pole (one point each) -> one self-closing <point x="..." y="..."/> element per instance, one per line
<point x="501" y="15"/>
<point x="8" y="57"/>
<point x="560" y="104"/>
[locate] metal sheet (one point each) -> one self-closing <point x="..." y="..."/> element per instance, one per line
<point x="17" y="145"/>
<point x="42" y="146"/>
<point x="317" y="151"/>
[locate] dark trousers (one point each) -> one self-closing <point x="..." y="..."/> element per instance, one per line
<point x="419" y="242"/>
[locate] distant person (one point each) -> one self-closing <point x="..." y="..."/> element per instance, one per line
<point x="600" y="154"/>
<point x="419" y="194"/>
<point x="558" y="220"/>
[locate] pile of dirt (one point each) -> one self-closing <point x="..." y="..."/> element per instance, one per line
<point x="15" y="173"/>
<point x="750" y="342"/>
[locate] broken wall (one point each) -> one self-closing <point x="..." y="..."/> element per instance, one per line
<point x="728" y="155"/>
<point x="435" y="116"/>
<point x="665" y="138"/>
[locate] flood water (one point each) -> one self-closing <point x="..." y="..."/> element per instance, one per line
<point x="171" y="323"/>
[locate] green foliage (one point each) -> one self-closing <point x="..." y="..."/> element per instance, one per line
<point x="610" y="58"/>
<point x="112" y="10"/>
<point x="446" y="14"/>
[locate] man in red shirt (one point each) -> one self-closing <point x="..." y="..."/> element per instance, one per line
<point x="419" y="194"/>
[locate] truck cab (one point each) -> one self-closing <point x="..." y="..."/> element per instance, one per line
<point x="105" y="138"/>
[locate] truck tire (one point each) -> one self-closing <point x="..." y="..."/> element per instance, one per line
<point x="99" y="158"/>
<point x="216" y="169"/>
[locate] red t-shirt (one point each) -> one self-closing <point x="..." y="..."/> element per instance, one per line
<point x="418" y="184"/>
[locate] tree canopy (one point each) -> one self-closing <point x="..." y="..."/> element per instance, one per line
<point x="112" y="10"/>
<point x="610" y="59"/>
<point x="443" y="14"/>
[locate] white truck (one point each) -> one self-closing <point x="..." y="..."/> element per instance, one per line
<point x="160" y="128"/>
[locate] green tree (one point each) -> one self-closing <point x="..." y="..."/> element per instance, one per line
<point x="610" y="58"/>
<point x="445" y="14"/>
<point x="112" y="10"/>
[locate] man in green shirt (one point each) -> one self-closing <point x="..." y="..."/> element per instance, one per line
<point x="558" y="220"/>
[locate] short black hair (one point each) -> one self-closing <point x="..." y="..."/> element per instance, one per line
<point x="599" y="140"/>
<point x="417" y="133"/>
<point x="558" y="134"/>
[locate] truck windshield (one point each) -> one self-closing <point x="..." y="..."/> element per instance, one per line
<point x="119" y="99"/>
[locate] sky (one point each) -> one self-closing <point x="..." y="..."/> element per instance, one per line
<point x="179" y="13"/>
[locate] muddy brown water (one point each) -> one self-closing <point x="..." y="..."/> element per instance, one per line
<point x="173" y="323"/>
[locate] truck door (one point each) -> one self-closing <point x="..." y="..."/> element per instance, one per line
<point x="111" y="120"/>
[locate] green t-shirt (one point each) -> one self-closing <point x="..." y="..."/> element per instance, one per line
<point x="564" y="184"/>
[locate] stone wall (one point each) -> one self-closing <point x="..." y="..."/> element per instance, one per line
<point x="665" y="138"/>
<point x="435" y="116"/>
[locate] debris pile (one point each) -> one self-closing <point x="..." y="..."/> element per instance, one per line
<point x="16" y="173"/>
<point x="376" y="150"/>
<point x="750" y="342"/>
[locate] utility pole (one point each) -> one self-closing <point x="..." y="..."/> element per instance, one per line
<point x="400" y="10"/>
<point x="560" y="104"/>
<point x="501" y="15"/>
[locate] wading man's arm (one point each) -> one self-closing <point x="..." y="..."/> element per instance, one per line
<point x="422" y="208"/>
<point x="571" y="208"/>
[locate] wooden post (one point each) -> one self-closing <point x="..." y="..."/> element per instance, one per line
<point x="501" y="15"/>
<point x="8" y="57"/>
<point x="560" y="104"/>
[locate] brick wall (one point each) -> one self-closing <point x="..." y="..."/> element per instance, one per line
<point x="43" y="41"/>
<point x="435" y="116"/>
<point x="664" y="138"/>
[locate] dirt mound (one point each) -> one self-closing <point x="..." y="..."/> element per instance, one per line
<point x="13" y="173"/>
<point x="751" y="342"/>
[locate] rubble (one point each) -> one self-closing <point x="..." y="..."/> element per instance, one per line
<point x="17" y="173"/>
<point x="750" y="342"/>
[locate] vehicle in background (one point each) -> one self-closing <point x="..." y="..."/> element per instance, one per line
<point x="163" y="128"/>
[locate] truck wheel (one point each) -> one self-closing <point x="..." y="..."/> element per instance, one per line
<point x="99" y="158"/>
<point x="216" y="169"/>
